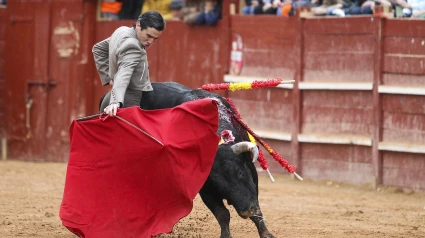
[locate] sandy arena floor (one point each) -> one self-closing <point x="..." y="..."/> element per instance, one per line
<point x="30" y="195"/>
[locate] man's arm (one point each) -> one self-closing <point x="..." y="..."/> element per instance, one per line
<point x="101" y="58"/>
<point x="129" y="55"/>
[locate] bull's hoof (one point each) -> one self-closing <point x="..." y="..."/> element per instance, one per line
<point x="267" y="235"/>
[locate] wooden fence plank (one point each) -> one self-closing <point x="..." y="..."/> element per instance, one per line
<point x="339" y="43"/>
<point x="408" y="104"/>
<point x="337" y="162"/>
<point x="405" y="80"/>
<point x="404" y="28"/>
<point x="404" y="64"/>
<point x="406" y="172"/>
<point x="339" y="26"/>
<point x="404" y="45"/>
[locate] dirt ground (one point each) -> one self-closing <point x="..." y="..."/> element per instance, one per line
<point x="30" y="195"/>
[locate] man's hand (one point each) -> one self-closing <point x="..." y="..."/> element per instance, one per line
<point x="112" y="109"/>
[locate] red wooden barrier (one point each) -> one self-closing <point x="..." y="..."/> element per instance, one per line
<point x="3" y="18"/>
<point x="355" y="113"/>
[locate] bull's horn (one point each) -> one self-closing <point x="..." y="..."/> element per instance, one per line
<point x="245" y="147"/>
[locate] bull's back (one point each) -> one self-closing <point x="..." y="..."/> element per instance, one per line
<point x="164" y="95"/>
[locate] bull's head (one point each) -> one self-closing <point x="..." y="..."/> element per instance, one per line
<point x="235" y="176"/>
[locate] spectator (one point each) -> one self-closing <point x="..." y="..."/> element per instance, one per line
<point x="3" y="2"/>
<point x="369" y="5"/>
<point x="162" y="6"/>
<point x="110" y="9"/>
<point x="261" y="7"/>
<point x="210" y="14"/>
<point x="285" y="8"/>
<point x="363" y="7"/>
<point x="328" y="5"/>
<point x="176" y="8"/>
<point x="305" y="3"/>
<point x="415" y="9"/>
<point x="250" y="6"/>
<point x="191" y="11"/>
<point x="270" y="6"/>
<point x="130" y="9"/>
<point x="339" y="10"/>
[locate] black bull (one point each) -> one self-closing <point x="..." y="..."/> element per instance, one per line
<point x="233" y="176"/>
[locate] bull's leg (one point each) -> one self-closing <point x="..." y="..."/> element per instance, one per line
<point x="258" y="219"/>
<point x="216" y="206"/>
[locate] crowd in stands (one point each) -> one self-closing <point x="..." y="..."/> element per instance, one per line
<point x="401" y="8"/>
<point x="196" y="12"/>
<point x="199" y="12"/>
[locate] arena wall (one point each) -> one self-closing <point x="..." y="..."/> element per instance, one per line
<point x="354" y="114"/>
<point x="3" y="18"/>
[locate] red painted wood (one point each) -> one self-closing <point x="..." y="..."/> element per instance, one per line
<point x="404" y="64"/>
<point x="52" y="59"/>
<point x="39" y="94"/>
<point x="278" y="26"/>
<point x="404" y="45"/>
<point x="269" y="59"/>
<point x="339" y="26"/>
<point x="405" y="128"/>
<point x="403" y="136"/>
<point x="297" y="101"/>
<point x="358" y="44"/>
<point x="19" y="66"/>
<point x="337" y="99"/>
<point x="337" y="162"/>
<point x="266" y="116"/>
<point x="265" y="72"/>
<point x="337" y="112"/>
<point x="377" y="103"/>
<point x="401" y="27"/>
<point x="403" y="80"/>
<point x="202" y="58"/>
<point x="406" y="172"/>
<point x="406" y="104"/>
<point x="86" y="88"/>
<point x="1" y="69"/>
<point x="3" y="18"/>
<point x="345" y="75"/>
<point x="395" y="130"/>
<point x="353" y="154"/>
<point x="66" y="96"/>
<point x="339" y="61"/>
<point x="262" y="56"/>
<point x="330" y="116"/>
<point x="2" y="45"/>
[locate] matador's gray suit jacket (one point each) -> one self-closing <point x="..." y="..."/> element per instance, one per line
<point x="122" y="58"/>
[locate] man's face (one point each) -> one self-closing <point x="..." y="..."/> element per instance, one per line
<point x="147" y="36"/>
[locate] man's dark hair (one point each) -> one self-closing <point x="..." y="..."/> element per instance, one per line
<point x="151" y="19"/>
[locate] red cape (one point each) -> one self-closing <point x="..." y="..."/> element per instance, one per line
<point x="122" y="183"/>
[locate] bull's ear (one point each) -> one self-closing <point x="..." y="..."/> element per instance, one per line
<point x="246" y="146"/>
